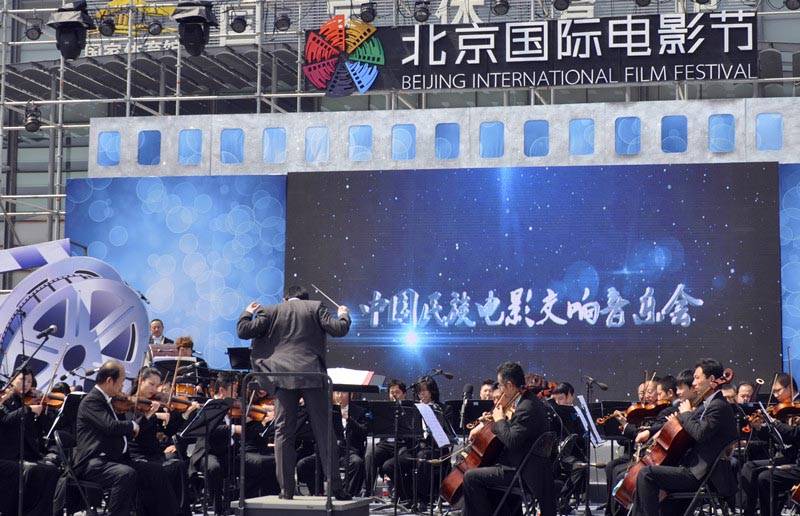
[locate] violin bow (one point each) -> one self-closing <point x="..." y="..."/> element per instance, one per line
<point x="55" y="370"/>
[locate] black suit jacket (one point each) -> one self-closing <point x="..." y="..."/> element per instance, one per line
<point x="712" y="427"/>
<point x="520" y="432"/>
<point x="291" y="337"/>
<point x="11" y="414"/>
<point x="356" y="430"/>
<point x="167" y="340"/>
<point x="99" y="432"/>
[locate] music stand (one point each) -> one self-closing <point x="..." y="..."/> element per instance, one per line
<point x="239" y="358"/>
<point x="472" y="411"/>
<point x="68" y="412"/>
<point x="209" y="416"/>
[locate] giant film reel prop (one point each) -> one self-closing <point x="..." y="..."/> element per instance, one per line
<point x="98" y="317"/>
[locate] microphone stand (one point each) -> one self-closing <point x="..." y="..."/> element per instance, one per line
<point x="588" y="453"/>
<point x="17" y="372"/>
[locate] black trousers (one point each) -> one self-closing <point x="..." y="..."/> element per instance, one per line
<point x="352" y="463"/>
<point x="120" y="478"/>
<point x="749" y="484"/>
<point x="652" y="479"/>
<point x="9" y="472"/>
<point x="286" y="403"/>
<point x="260" y="477"/>
<point x="615" y="471"/>
<point x="482" y="491"/>
<point x="782" y="482"/>
<point x="374" y="460"/>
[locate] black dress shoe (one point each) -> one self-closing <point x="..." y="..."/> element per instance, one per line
<point x="285" y="496"/>
<point x="342" y="495"/>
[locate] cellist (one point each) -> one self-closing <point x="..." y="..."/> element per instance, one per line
<point x="517" y="425"/>
<point x="712" y="425"/>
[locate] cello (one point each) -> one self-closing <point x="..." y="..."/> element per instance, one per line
<point x="670" y="444"/>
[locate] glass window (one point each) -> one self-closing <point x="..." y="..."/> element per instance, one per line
<point x="273" y="146"/>
<point x="190" y="146"/>
<point x="674" y="133"/>
<point x="318" y="143"/>
<point x="492" y="139"/>
<point x="581" y="136"/>
<point x="721" y="133"/>
<point x="404" y="142"/>
<point x="769" y="131"/>
<point x="448" y="141"/>
<point x="108" y="148"/>
<point x="149" y="148"/>
<point x="360" y="142"/>
<point x="537" y="138"/>
<point x="628" y="135"/>
<point x="231" y="146"/>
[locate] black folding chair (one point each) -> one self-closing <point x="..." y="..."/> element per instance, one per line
<point x="65" y="443"/>
<point x="542" y="447"/>
<point x="706" y="497"/>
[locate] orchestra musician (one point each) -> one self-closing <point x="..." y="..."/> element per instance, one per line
<point x="146" y="445"/>
<point x="713" y="427"/>
<point x="487" y="387"/>
<point x="744" y="393"/>
<point x="39" y="477"/>
<point x="571" y="454"/>
<point x="517" y="432"/>
<point x="382" y="451"/>
<point x="157" y="333"/>
<point x="291" y="337"/>
<point x="729" y="392"/>
<point x="102" y="453"/>
<point x="754" y="477"/>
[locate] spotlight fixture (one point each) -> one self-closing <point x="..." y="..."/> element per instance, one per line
<point x="702" y="2"/>
<point x="33" y="117"/>
<point x="368" y="11"/>
<point x="642" y="3"/>
<point x="792" y="5"/>
<point x="239" y="23"/>
<point x="500" y="7"/>
<point x="107" y="27"/>
<point x="194" y="19"/>
<point x="70" y="22"/>
<point x="33" y="29"/>
<point x="422" y="10"/>
<point x="154" y="28"/>
<point x="282" y="22"/>
<point x="563" y="5"/>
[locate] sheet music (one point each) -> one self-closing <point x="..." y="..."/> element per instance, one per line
<point x="588" y="423"/>
<point x="345" y="376"/>
<point x="436" y="430"/>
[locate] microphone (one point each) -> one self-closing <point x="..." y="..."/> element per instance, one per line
<point x="468" y="389"/>
<point x="90" y="372"/>
<point x="69" y="373"/>
<point x="447" y="375"/>
<point x="47" y="332"/>
<point x="591" y="381"/>
<point x="195" y="352"/>
<point x="186" y="368"/>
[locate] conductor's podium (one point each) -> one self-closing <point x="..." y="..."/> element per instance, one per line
<point x="303" y="506"/>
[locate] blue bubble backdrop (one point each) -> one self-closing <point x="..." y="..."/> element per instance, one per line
<point x="198" y="248"/>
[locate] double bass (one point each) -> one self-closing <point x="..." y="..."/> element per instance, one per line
<point x="670" y="444"/>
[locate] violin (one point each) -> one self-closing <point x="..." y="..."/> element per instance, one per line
<point x="175" y="403"/>
<point x="637" y="412"/>
<point x="123" y="404"/>
<point x="784" y="410"/>
<point x="256" y="412"/>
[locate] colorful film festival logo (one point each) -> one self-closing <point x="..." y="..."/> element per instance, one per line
<point x="343" y="56"/>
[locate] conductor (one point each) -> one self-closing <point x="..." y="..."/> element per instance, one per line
<point x="289" y="337"/>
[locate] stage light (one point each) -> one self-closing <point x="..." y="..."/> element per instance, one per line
<point x="33" y="117"/>
<point x="70" y="22"/>
<point x="154" y="28"/>
<point x="239" y="23"/>
<point x="642" y="3"/>
<point x="107" y="27"/>
<point x="411" y="338"/>
<point x="282" y="22"/>
<point x="500" y="7"/>
<point x="792" y="5"/>
<point x="33" y="29"/>
<point x="561" y="5"/>
<point x="194" y="25"/>
<point x="422" y="10"/>
<point x="368" y="12"/>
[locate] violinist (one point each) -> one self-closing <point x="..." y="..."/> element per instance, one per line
<point x="152" y="421"/>
<point x="744" y="393"/>
<point x="102" y="455"/>
<point x="260" y="473"/>
<point x="487" y="387"/>
<point x="39" y="477"/>
<point x="217" y="448"/>
<point x="729" y="392"/>
<point x="712" y="426"/>
<point x="683" y="385"/>
<point x="617" y="468"/>
<point x="572" y="478"/>
<point x="517" y="430"/>
<point x="754" y="477"/>
<point x="382" y="451"/>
